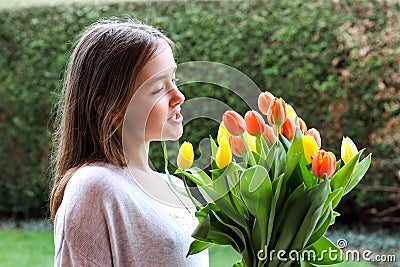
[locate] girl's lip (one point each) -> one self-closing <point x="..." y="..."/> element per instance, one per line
<point x="177" y="118"/>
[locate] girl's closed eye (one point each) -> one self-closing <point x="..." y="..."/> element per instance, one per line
<point x="174" y="81"/>
<point x="158" y="91"/>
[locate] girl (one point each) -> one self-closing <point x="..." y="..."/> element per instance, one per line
<point x="109" y="207"/>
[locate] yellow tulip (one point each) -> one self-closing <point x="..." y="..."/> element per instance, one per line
<point x="310" y="147"/>
<point x="251" y="140"/>
<point x="224" y="153"/>
<point x="290" y="111"/>
<point x="221" y="132"/>
<point x="185" y="156"/>
<point x="348" y="149"/>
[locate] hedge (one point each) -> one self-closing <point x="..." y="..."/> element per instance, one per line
<point x="337" y="63"/>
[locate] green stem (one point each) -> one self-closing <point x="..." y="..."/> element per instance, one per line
<point x="230" y="194"/>
<point x="261" y="142"/>
<point x="246" y="144"/>
<point x="188" y="192"/>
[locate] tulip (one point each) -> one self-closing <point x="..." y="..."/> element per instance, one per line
<point x="290" y="111"/>
<point x="185" y="156"/>
<point x="222" y="131"/>
<point x="234" y="123"/>
<point x="315" y="134"/>
<point x="323" y="164"/>
<point x="255" y="124"/>
<point x="237" y="145"/>
<point x="251" y="140"/>
<point x="224" y="153"/>
<point x="310" y="147"/>
<point x="264" y="100"/>
<point x="288" y="128"/>
<point x="348" y="149"/>
<point x="269" y="135"/>
<point x="302" y="125"/>
<point x="277" y="112"/>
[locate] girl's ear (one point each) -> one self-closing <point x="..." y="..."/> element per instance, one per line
<point x="98" y="105"/>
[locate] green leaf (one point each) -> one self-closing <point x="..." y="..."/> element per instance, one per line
<point x="213" y="231"/>
<point x="198" y="246"/>
<point x="337" y="197"/>
<point x="342" y="177"/>
<point x="256" y="192"/>
<point x="294" y="207"/>
<point x="268" y="161"/>
<point x="242" y="237"/>
<point x="359" y="172"/>
<point x="306" y="264"/>
<point x="321" y="248"/>
<point x="238" y="264"/>
<point x="286" y="143"/>
<point x="332" y="196"/>
<point x="205" y="211"/>
<point x="277" y="185"/>
<point x="310" y="221"/>
<point x="196" y="177"/>
<point x="279" y="165"/>
<point x="293" y="156"/>
<point x="228" y="204"/>
<point x="308" y="177"/>
<point x="322" y="226"/>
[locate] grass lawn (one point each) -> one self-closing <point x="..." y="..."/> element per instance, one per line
<point x="25" y="248"/>
<point x="35" y="249"/>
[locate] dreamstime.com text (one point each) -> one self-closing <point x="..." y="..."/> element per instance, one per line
<point x="332" y="254"/>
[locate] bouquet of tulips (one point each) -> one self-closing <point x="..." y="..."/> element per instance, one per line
<point x="271" y="191"/>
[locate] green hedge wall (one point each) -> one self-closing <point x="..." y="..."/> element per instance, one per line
<point x="338" y="64"/>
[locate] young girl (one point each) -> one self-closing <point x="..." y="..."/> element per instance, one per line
<point x="109" y="207"/>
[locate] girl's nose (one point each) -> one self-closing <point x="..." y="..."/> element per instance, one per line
<point x="177" y="97"/>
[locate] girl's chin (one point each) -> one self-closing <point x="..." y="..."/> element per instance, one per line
<point x="176" y="136"/>
<point x="171" y="136"/>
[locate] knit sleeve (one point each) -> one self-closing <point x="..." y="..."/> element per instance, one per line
<point x="80" y="232"/>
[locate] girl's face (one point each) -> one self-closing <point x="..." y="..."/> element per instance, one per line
<point x="154" y="111"/>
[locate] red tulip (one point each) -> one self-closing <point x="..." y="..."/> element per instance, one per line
<point x="264" y="100"/>
<point x="315" y="134"/>
<point x="234" y="123"/>
<point x="269" y="135"/>
<point x="237" y="145"/>
<point x="255" y="123"/>
<point x="277" y="112"/>
<point x="288" y="129"/>
<point x="323" y="164"/>
<point x="302" y="125"/>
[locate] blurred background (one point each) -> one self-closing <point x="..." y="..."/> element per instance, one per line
<point x="337" y="62"/>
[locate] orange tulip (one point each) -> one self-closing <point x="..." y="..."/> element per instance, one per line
<point x="255" y="124"/>
<point x="302" y="125"/>
<point x="277" y="112"/>
<point x="288" y="128"/>
<point x="264" y="100"/>
<point x="234" y="123"/>
<point x="315" y="134"/>
<point x="269" y="135"/>
<point x="323" y="164"/>
<point x="237" y="145"/>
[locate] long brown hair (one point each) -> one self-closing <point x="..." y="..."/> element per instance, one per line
<point x="97" y="88"/>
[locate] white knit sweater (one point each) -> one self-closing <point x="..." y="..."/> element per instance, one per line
<point x="106" y="219"/>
